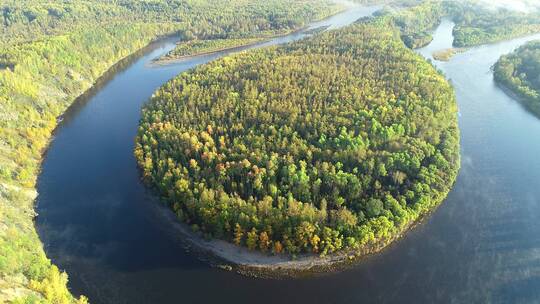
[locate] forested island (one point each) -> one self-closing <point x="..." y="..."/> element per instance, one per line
<point x="198" y="47"/>
<point x="447" y="54"/>
<point x="50" y="53"/>
<point x="275" y="176"/>
<point x="333" y="143"/>
<point x="520" y="73"/>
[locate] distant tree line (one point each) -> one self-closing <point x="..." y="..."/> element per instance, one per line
<point x="475" y="24"/>
<point x="520" y="72"/>
<point x="28" y="20"/>
<point x="194" y="47"/>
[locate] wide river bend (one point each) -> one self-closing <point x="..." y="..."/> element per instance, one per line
<point x="100" y="224"/>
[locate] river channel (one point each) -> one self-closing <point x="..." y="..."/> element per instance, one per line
<point x="100" y="224"/>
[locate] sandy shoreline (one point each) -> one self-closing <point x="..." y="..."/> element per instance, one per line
<point x="228" y="256"/>
<point x="165" y="61"/>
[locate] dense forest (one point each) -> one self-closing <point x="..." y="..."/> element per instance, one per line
<point x="446" y="54"/>
<point x="478" y="25"/>
<point x="195" y="47"/>
<point x="417" y="22"/>
<point x="520" y="72"/>
<point x="50" y="53"/>
<point x="475" y="24"/>
<point x="333" y="142"/>
<point x="201" y="43"/>
<point x="29" y="20"/>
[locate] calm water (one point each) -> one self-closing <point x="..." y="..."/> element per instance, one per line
<point x="98" y="222"/>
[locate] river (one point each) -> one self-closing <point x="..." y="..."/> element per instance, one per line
<point x="100" y="224"/>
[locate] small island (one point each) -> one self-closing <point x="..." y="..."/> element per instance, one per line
<point x="519" y="72"/>
<point x="447" y="54"/>
<point x="331" y="146"/>
<point x="195" y="47"/>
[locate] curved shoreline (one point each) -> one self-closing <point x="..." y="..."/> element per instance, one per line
<point x="230" y="257"/>
<point x="304" y="29"/>
<point x="260" y="264"/>
<point x="79" y="102"/>
<point x="165" y="61"/>
<point x="526" y="103"/>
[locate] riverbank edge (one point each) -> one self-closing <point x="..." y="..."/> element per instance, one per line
<point x="230" y="257"/>
<point x="495" y="41"/>
<point x="24" y="289"/>
<point x="503" y="83"/>
<point x="19" y="292"/>
<point x="161" y="61"/>
<point x="532" y="106"/>
<point x="166" y="61"/>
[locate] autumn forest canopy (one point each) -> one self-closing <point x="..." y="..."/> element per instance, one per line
<point x="338" y="141"/>
<point x="520" y="73"/>
<point x="53" y="51"/>
<point x="333" y="142"/>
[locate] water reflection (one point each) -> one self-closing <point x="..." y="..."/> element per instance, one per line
<point x="482" y="245"/>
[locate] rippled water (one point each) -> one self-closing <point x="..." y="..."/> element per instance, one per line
<point x="98" y="222"/>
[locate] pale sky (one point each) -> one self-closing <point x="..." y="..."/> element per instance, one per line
<point x="518" y="5"/>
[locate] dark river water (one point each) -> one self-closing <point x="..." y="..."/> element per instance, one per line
<point x="482" y="245"/>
